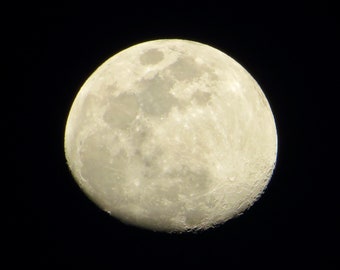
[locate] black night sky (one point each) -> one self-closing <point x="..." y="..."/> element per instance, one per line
<point x="289" y="50"/>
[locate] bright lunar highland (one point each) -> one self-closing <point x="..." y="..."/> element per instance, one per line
<point x="171" y="135"/>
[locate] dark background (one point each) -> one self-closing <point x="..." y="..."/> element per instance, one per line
<point x="288" y="48"/>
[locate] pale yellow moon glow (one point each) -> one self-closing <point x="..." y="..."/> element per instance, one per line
<point x="171" y="135"/>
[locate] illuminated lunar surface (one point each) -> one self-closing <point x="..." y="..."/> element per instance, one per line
<point x="171" y="135"/>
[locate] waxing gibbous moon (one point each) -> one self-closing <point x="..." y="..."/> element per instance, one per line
<point x="171" y="135"/>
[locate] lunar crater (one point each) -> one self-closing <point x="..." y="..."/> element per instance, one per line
<point x="151" y="57"/>
<point x="185" y="68"/>
<point x="201" y="98"/>
<point x="121" y="111"/>
<point x="155" y="98"/>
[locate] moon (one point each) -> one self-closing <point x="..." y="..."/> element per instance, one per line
<point x="171" y="135"/>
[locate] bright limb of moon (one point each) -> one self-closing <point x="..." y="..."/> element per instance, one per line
<point x="171" y="135"/>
